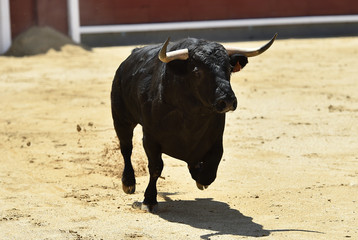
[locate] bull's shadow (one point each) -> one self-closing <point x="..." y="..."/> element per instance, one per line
<point x="212" y="215"/>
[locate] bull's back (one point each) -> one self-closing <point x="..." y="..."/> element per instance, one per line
<point x="133" y="80"/>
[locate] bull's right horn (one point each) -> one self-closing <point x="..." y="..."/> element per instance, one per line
<point x="251" y="52"/>
<point x="164" y="56"/>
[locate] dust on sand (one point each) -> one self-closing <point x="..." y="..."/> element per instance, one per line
<point x="289" y="171"/>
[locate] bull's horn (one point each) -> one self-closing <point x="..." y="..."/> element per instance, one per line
<point x="164" y="56"/>
<point x="251" y="52"/>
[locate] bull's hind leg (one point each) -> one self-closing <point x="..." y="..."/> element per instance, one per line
<point x="128" y="178"/>
<point x="124" y="130"/>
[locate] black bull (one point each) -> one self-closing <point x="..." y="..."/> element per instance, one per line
<point x="180" y="98"/>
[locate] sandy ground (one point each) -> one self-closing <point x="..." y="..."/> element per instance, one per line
<point x="289" y="171"/>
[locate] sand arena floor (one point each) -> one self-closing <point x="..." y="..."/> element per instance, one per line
<point x="289" y="171"/>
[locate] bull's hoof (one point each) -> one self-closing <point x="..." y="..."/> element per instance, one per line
<point x="145" y="207"/>
<point x="201" y="187"/>
<point x="128" y="189"/>
<point x="128" y="181"/>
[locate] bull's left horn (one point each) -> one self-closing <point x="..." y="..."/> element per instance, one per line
<point x="251" y="52"/>
<point x="164" y="56"/>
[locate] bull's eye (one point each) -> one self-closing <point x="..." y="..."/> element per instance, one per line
<point x="196" y="72"/>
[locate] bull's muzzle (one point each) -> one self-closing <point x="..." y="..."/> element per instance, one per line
<point x="226" y="104"/>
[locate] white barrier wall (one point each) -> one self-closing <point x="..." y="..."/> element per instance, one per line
<point x="5" y="27"/>
<point x="74" y="20"/>
<point x="75" y="28"/>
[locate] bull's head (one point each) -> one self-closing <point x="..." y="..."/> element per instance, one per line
<point x="211" y="65"/>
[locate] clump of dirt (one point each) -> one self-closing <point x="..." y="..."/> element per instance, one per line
<point x="38" y="40"/>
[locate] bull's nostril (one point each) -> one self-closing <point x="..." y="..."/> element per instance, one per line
<point x="222" y="105"/>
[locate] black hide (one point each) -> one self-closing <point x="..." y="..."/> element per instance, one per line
<point x="181" y="106"/>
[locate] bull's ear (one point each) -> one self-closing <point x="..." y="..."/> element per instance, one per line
<point x="238" y="62"/>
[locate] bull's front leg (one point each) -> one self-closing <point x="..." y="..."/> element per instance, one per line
<point x="155" y="165"/>
<point x="204" y="172"/>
